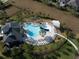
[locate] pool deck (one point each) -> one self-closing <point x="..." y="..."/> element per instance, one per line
<point x="42" y="40"/>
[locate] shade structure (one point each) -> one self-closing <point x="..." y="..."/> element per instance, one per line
<point x="56" y="23"/>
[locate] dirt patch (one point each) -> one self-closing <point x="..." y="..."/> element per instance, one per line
<point x="71" y="21"/>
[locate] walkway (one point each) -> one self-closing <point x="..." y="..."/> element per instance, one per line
<point x="77" y="57"/>
<point x="71" y="21"/>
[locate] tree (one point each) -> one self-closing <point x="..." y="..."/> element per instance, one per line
<point x="28" y="51"/>
<point x="2" y="5"/>
<point x="3" y="16"/>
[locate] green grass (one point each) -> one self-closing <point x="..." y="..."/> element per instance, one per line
<point x="72" y="51"/>
<point x="66" y="51"/>
<point x="51" y="50"/>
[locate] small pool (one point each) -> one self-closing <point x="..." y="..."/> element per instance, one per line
<point x="32" y="29"/>
<point x="39" y="34"/>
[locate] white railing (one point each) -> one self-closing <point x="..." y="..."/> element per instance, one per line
<point x="76" y="48"/>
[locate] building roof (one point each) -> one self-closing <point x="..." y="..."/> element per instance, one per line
<point x="11" y="38"/>
<point x="74" y="3"/>
<point x="11" y="25"/>
<point x="15" y="24"/>
<point x="56" y="23"/>
<point x="11" y="34"/>
<point x="6" y="28"/>
<point x="77" y="2"/>
<point x="12" y="41"/>
<point x="65" y="1"/>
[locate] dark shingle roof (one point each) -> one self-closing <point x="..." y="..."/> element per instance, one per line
<point x="10" y="25"/>
<point x="77" y="2"/>
<point x="65" y="1"/>
<point x="13" y="36"/>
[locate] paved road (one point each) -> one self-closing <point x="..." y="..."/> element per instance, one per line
<point x="53" y="12"/>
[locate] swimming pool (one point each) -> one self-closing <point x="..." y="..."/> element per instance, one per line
<point x="39" y="34"/>
<point x="32" y="29"/>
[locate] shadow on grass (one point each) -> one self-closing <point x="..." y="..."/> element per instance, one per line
<point x="69" y="50"/>
<point x="65" y="50"/>
<point x="1" y="57"/>
<point x="57" y="54"/>
<point x="7" y="54"/>
<point x="78" y="39"/>
<point x="69" y="45"/>
<point x="19" y="57"/>
<point x="65" y="53"/>
<point x="53" y="57"/>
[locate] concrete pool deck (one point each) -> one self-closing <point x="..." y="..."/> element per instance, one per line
<point x="48" y="37"/>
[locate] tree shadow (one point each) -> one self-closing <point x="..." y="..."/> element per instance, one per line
<point x="7" y="54"/>
<point x="1" y="38"/>
<point x="19" y="57"/>
<point x="57" y="54"/>
<point x="69" y="44"/>
<point x="65" y="53"/>
<point x="78" y="39"/>
<point x="69" y="50"/>
<point x="53" y="57"/>
<point x="1" y="57"/>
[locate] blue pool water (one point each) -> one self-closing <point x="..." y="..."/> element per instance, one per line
<point x="32" y="30"/>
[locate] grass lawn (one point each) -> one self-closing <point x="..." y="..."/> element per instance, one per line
<point x="71" y="51"/>
<point x="66" y="51"/>
<point x="52" y="50"/>
<point x="1" y="50"/>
